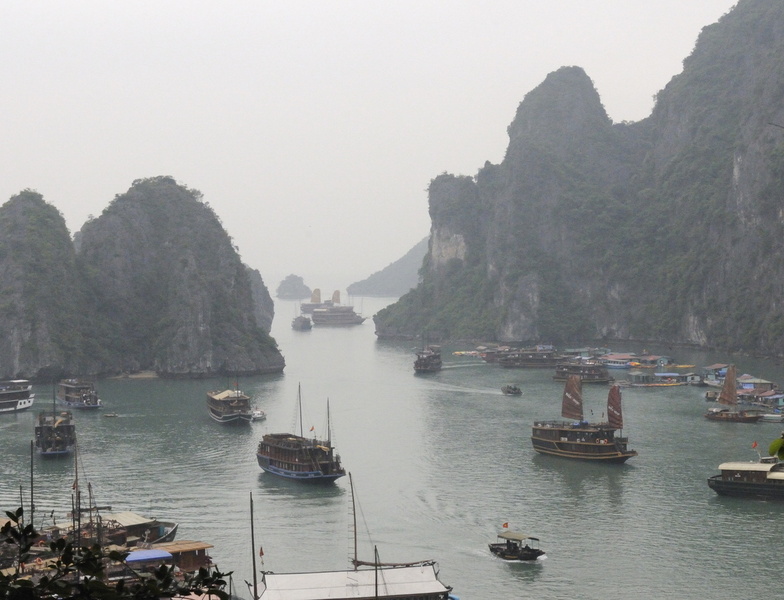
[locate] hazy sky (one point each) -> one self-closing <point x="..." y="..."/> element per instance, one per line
<point x="312" y="128"/>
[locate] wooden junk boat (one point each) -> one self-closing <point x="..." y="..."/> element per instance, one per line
<point x="315" y="302"/>
<point x="334" y="314"/>
<point x="541" y="356"/>
<point x="514" y="545"/>
<point x="579" y="439"/>
<point x="300" y="458"/>
<point x="728" y="397"/>
<point x="428" y="360"/>
<point x="589" y="371"/>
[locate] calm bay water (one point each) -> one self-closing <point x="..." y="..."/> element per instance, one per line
<point x="439" y="463"/>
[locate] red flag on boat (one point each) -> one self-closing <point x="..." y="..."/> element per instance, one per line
<point x="312" y="427"/>
<point x="261" y="551"/>
<point x="754" y="445"/>
<point x="505" y="525"/>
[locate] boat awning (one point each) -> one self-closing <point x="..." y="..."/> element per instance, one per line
<point x="393" y="582"/>
<point x="127" y="518"/>
<point x="181" y="546"/>
<point x="515" y="536"/>
<point x="746" y="466"/>
<point x="225" y="394"/>
<point x="147" y="555"/>
<point x="667" y="374"/>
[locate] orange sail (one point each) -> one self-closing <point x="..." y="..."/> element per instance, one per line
<point x="729" y="391"/>
<point x="572" y="407"/>
<point x="614" y="413"/>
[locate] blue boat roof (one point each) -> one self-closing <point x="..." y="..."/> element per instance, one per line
<point x="144" y="555"/>
<point x="667" y="374"/>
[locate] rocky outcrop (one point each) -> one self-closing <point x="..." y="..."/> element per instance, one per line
<point x="172" y="287"/>
<point x="670" y="229"/>
<point x="293" y="288"/>
<point x="155" y="285"/>
<point x="41" y="297"/>
<point x="263" y="304"/>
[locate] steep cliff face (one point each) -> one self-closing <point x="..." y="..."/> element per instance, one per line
<point x="40" y="295"/>
<point x="717" y="165"/>
<point x="263" y="304"/>
<point x="155" y="284"/>
<point x="669" y="229"/>
<point x="170" y="288"/>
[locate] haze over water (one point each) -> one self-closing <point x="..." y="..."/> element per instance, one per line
<point x="439" y="463"/>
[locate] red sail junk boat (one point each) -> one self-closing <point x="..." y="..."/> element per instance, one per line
<point x="579" y="439"/>
<point x="729" y="397"/>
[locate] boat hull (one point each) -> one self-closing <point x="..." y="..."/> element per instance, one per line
<point x="434" y="369"/>
<point x="311" y="476"/>
<point x="515" y="554"/>
<point x="733" y="417"/>
<point x="57" y="453"/>
<point x="78" y="405"/>
<point x="745" y="489"/>
<point x="8" y="406"/>
<point x="233" y="419"/>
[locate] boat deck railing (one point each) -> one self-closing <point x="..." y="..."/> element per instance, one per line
<point x="580" y="425"/>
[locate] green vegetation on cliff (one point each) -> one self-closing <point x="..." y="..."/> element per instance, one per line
<point x="669" y="229"/>
<point x="156" y="284"/>
<point x="171" y="286"/>
<point x="41" y="321"/>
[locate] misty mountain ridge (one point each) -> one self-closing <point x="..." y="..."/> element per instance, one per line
<point x="669" y="229"/>
<point x="395" y="279"/>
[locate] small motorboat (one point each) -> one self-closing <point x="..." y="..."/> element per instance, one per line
<point x="514" y="545"/>
<point x="258" y="415"/>
<point x="511" y="390"/>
